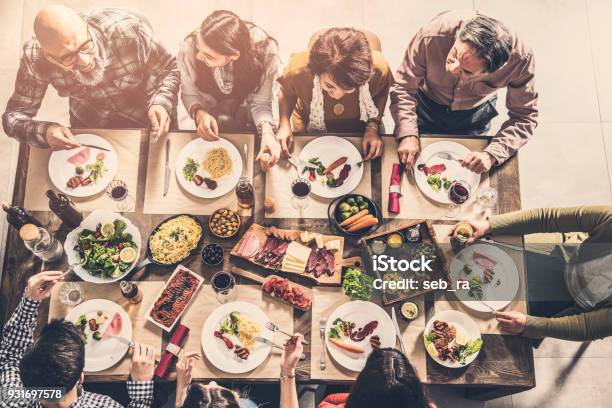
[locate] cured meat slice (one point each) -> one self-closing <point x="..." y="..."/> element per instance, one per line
<point x="483" y="260"/>
<point x="433" y="169"/>
<point x="249" y="246"/>
<point x="81" y="157"/>
<point x="114" y="328"/>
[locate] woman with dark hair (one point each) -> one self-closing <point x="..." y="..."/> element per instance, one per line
<point x="340" y="84"/>
<point x="212" y="395"/>
<point x="387" y="380"/>
<point x="228" y="68"/>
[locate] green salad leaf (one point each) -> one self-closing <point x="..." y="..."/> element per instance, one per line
<point x="357" y="284"/>
<point x="190" y="169"/>
<point x="470" y="348"/>
<point x="435" y="182"/>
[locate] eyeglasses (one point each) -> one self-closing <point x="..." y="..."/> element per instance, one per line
<point x="71" y="58"/>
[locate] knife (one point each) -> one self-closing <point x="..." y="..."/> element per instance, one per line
<point x="167" y="168"/>
<point x="95" y="147"/>
<point x="398" y="333"/>
<point x="273" y="344"/>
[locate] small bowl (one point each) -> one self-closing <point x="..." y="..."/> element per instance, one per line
<point x="231" y="214"/>
<point x="213" y="245"/>
<point x="333" y="213"/>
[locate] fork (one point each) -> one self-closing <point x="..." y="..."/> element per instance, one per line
<point x="322" y="324"/>
<point x="274" y="328"/>
<point x="447" y="156"/>
<point x="273" y="344"/>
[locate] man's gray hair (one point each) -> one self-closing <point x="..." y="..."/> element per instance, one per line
<point x="490" y="39"/>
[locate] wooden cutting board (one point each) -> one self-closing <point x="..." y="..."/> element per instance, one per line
<point x="324" y="279"/>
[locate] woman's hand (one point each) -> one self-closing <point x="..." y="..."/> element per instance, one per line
<point x="285" y="138"/>
<point x="512" y="321"/>
<point x="481" y="228"/>
<point x="206" y="126"/>
<point x="291" y="354"/>
<point x="184" y="368"/>
<point x="270" y="145"/>
<point x="372" y="143"/>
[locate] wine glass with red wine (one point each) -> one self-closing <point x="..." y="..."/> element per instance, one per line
<point x="224" y="285"/>
<point x="458" y="193"/>
<point x="117" y="191"/>
<point x="300" y="187"/>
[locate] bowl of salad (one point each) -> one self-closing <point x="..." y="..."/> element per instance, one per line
<point x="104" y="248"/>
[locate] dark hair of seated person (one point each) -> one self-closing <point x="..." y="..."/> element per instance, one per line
<point x="201" y="396"/>
<point x="55" y="359"/>
<point x="345" y="54"/>
<point x="387" y="380"/>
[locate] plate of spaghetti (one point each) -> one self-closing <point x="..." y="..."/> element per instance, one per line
<point x="174" y="240"/>
<point x="208" y="169"/>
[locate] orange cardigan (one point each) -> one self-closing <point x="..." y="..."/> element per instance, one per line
<point x="334" y="401"/>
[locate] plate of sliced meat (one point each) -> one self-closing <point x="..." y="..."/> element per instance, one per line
<point x="354" y="330"/>
<point x="331" y="166"/>
<point x="491" y="274"/>
<point x="438" y="166"/>
<point x="452" y="339"/>
<point x="84" y="171"/>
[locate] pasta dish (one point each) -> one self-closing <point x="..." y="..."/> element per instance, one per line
<point x="174" y="240"/>
<point x="217" y="163"/>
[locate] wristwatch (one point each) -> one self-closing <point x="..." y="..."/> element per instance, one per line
<point x="261" y="124"/>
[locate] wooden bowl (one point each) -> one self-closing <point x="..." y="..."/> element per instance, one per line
<point x="218" y="213"/>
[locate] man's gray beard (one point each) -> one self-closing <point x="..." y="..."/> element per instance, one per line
<point x="95" y="76"/>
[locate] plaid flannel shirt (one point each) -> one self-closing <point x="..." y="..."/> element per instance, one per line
<point x="139" y="73"/>
<point x="17" y="336"/>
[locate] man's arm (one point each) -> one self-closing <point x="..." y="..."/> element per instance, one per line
<point x="521" y="101"/>
<point x="408" y="79"/>
<point x="17" y="336"/>
<point x="595" y="220"/>
<point x="587" y="326"/>
<point x="24" y="104"/>
<point x="163" y="82"/>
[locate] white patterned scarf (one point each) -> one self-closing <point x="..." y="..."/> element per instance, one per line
<point x="316" y="121"/>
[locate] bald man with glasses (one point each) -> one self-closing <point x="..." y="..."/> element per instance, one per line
<point x="109" y="64"/>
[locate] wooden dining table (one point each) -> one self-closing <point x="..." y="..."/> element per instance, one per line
<point x="504" y="367"/>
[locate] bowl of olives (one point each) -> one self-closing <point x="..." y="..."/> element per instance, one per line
<point x="352" y="206"/>
<point x="212" y="254"/>
<point x="224" y="223"/>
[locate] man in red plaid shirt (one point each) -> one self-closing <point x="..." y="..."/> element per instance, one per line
<point x="108" y="62"/>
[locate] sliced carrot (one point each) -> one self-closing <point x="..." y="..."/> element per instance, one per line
<point x="355" y="217"/>
<point x="362" y="225"/>
<point x="353" y="348"/>
<point x="362" y="219"/>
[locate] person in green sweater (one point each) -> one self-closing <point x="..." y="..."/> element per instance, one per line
<point x="569" y="286"/>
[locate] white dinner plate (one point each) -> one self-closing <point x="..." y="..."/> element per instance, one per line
<point x="61" y="170"/>
<point x="105" y="353"/>
<point x="328" y="149"/>
<point x="98" y="217"/>
<point x="500" y="291"/>
<point x="462" y="322"/>
<point x="454" y="171"/>
<point x="217" y="352"/>
<point x="361" y="313"/>
<point x="197" y="149"/>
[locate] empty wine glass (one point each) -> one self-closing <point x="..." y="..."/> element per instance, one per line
<point x="486" y="198"/>
<point x="458" y="193"/>
<point x="71" y="294"/>
<point x="300" y="187"/>
<point x="117" y="191"/>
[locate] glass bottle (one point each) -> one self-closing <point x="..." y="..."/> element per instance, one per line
<point x="65" y="209"/>
<point x="244" y="193"/>
<point x="41" y="243"/>
<point x="18" y="216"/>
<point x="130" y="291"/>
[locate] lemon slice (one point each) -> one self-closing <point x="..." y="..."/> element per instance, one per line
<point x="461" y="337"/>
<point x="107" y="230"/>
<point x="127" y="255"/>
<point x="431" y="349"/>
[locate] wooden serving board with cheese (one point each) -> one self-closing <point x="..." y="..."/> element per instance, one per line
<point x="311" y="255"/>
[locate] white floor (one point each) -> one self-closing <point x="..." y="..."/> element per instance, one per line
<point x="568" y="162"/>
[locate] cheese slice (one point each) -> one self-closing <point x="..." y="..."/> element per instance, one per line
<point x="333" y="245"/>
<point x="297" y="251"/>
<point x="319" y="240"/>
<point x="306" y="237"/>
